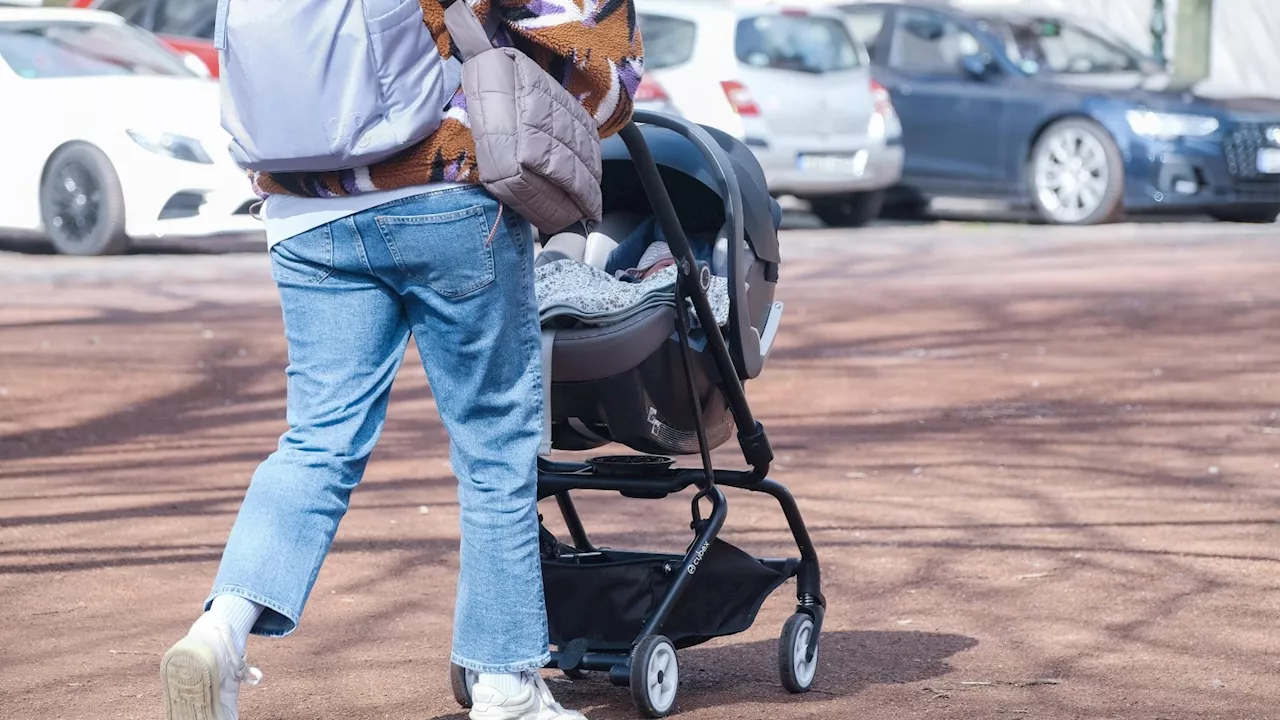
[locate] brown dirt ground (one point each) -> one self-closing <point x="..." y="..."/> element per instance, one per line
<point x="1041" y="472"/>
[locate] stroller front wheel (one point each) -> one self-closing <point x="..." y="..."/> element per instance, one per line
<point x="655" y="676"/>
<point x="794" y="663"/>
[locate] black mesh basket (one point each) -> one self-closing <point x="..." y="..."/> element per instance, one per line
<point x="604" y="597"/>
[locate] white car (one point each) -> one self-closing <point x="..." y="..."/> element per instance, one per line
<point x="793" y="84"/>
<point x="109" y="136"/>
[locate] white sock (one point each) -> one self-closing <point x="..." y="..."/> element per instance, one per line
<point x="509" y="684"/>
<point x="239" y="613"/>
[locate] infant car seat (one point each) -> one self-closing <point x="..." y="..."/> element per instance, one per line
<point x="626" y="382"/>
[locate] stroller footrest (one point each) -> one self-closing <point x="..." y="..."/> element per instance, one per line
<point x="571" y="656"/>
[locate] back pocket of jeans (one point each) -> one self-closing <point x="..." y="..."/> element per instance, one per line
<point x="448" y="252"/>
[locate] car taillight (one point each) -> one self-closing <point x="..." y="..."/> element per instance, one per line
<point x="650" y="90"/>
<point x="880" y="96"/>
<point x="740" y="98"/>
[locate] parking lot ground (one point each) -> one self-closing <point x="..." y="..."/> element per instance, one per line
<point x="1040" y="466"/>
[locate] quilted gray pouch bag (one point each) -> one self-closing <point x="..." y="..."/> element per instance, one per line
<point x="537" y="148"/>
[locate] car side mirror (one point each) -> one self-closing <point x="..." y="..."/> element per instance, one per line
<point x="978" y="67"/>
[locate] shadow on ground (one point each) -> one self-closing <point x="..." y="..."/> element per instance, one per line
<point x="32" y="245"/>
<point x="849" y="663"/>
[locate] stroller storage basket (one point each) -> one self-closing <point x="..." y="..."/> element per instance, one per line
<point x="605" y="597"/>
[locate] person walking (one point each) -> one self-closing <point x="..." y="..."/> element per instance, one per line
<point x="365" y="259"/>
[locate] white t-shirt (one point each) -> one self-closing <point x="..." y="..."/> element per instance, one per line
<point x="287" y="215"/>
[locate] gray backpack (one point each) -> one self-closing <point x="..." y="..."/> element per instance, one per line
<point x="320" y="85"/>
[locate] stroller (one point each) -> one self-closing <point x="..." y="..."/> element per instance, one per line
<point x="659" y="386"/>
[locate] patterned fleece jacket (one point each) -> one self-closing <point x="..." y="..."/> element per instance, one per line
<point x="592" y="47"/>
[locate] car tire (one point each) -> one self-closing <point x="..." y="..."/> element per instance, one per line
<point x="905" y="206"/>
<point x="1075" y="174"/>
<point x="848" y="211"/>
<point x="1260" y="215"/>
<point x="82" y="204"/>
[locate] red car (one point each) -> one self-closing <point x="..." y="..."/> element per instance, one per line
<point x="186" y="25"/>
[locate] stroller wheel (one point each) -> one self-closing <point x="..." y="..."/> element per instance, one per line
<point x="796" y="668"/>
<point x="575" y="674"/>
<point x="655" y="676"/>
<point x="461" y="680"/>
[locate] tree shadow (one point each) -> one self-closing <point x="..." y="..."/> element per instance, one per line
<point x="33" y="244"/>
<point x="730" y="673"/>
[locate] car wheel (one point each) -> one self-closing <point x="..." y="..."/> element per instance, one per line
<point x="1076" y="174"/>
<point x="1262" y="215"/>
<point x="81" y="203"/>
<point x="905" y="206"/>
<point x="848" y="211"/>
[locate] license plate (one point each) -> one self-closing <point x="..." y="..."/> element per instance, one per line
<point x="1269" y="161"/>
<point x="854" y="164"/>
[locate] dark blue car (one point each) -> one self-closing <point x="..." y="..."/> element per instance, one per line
<point x="1046" y="111"/>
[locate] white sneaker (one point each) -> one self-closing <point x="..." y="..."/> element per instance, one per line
<point x="533" y="702"/>
<point x="202" y="674"/>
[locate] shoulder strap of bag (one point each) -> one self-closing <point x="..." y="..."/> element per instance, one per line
<point x="466" y="30"/>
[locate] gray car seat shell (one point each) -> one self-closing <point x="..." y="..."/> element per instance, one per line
<point x="626" y="383"/>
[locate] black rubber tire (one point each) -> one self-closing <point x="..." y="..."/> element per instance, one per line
<point x="791" y="635"/>
<point x="1111" y="208"/>
<point x="1258" y="215"/>
<point x="105" y="236"/>
<point x="848" y="211"/>
<point x="458" y="683"/>
<point x="908" y="208"/>
<point x="641" y="658"/>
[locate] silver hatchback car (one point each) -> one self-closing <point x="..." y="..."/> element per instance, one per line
<point x="793" y="84"/>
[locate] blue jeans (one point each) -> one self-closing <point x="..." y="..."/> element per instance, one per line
<point x="443" y="268"/>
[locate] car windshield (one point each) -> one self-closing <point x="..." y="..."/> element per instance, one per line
<point x="84" y="49"/>
<point x="811" y="44"/>
<point x="1052" y="46"/>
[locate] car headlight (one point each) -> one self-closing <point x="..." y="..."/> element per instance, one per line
<point x="1165" y="126"/>
<point x="177" y="147"/>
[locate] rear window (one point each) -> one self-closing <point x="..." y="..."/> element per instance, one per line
<point x="668" y="41"/>
<point x="802" y="43"/>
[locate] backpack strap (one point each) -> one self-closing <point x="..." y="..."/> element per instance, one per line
<point x="469" y="35"/>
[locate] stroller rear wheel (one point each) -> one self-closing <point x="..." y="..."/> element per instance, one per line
<point x="460" y="681"/>
<point x="794" y="663"/>
<point x="655" y="676"/>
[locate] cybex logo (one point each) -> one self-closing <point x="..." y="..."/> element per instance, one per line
<point x="697" y="557"/>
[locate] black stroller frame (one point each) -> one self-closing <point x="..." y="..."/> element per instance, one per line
<point x="636" y="663"/>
